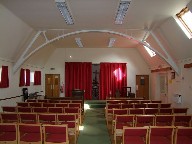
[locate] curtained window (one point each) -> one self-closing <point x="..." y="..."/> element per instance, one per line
<point x="78" y="75"/>
<point x="24" y="77"/>
<point x="4" y="83"/>
<point x="37" y="78"/>
<point x="113" y="77"/>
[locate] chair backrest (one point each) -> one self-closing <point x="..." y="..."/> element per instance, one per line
<point x="40" y="109"/>
<point x="156" y="101"/>
<point x="30" y="133"/>
<point x="30" y="118"/>
<point x="183" y="135"/>
<point x="35" y="104"/>
<point x="153" y="105"/>
<point x="42" y="100"/>
<point x="165" y="105"/>
<point x="140" y="105"/>
<point x="55" y="110"/>
<point x="151" y="111"/>
<point x="163" y="134"/>
<point x="8" y="133"/>
<point x="31" y="100"/>
<point x="127" y="106"/>
<point x="144" y="120"/>
<point x="55" y="134"/>
<point x="63" y="105"/>
<point x="165" y="111"/>
<point x="69" y="119"/>
<point x="9" y="117"/>
<point x="23" y="104"/>
<point x="24" y="109"/>
<point x="124" y="120"/>
<point x="136" y="111"/>
<point x="182" y="120"/>
<point x="180" y="111"/>
<point x="48" y="104"/>
<point x="47" y="118"/>
<point x="136" y="135"/>
<point x="164" y="120"/>
<point x="9" y="109"/>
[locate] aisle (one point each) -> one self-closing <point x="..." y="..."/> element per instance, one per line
<point x="95" y="129"/>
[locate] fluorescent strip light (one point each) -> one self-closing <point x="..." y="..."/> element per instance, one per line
<point x="63" y="8"/>
<point x="150" y="52"/>
<point x="111" y="42"/>
<point x="123" y="8"/>
<point x="79" y="43"/>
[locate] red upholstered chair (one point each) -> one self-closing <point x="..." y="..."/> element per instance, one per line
<point x="23" y="104"/>
<point x="134" y="102"/>
<point x="42" y="100"/>
<point x="136" y="111"/>
<point x="135" y="135"/>
<point x="8" y="133"/>
<point x="183" y="135"/>
<point x="55" y="110"/>
<point x="140" y="105"/>
<point x="151" y="111"/>
<point x="145" y="101"/>
<point x="109" y="111"/>
<point x="9" y="109"/>
<point x="30" y="134"/>
<point x="24" y="109"/>
<point x="153" y="105"/>
<point x="48" y="104"/>
<point x="39" y="109"/>
<point x="164" y="120"/>
<point x="118" y="112"/>
<point x="144" y="120"/>
<point x="165" y="105"/>
<point x="182" y="120"/>
<point x="55" y="134"/>
<point x="45" y="118"/>
<point x="29" y="118"/>
<point x="63" y="105"/>
<point x="35" y="104"/>
<point x="75" y="105"/>
<point x="156" y="101"/>
<point x="70" y="120"/>
<point x="161" y="135"/>
<point x="120" y="121"/>
<point x="166" y="111"/>
<point x="9" y="117"/>
<point x="53" y="101"/>
<point x="180" y="111"/>
<point x="123" y="106"/>
<point x="65" y="101"/>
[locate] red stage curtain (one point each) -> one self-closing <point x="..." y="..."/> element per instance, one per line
<point x="37" y="78"/>
<point x="113" y="76"/>
<point x="78" y="75"/>
<point x="4" y="77"/>
<point x="27" y="77"/>
<point x="22" y="77"/>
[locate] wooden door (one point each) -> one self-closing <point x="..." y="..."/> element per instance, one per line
<point x="52" y="85"/>
<point x="142" y="86"/>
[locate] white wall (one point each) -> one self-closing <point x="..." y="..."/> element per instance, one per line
<point x="14" y="89"/>
<point x="135" y="64"/>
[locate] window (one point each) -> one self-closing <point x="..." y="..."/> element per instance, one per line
<point x="184" y="20"/>
<point x="150" y="52"/>
<point x="32" y="77"/>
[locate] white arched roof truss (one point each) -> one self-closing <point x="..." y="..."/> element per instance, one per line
<point x="24" y="57"/>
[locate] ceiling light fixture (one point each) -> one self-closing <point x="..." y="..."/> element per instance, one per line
<point x="111" y="42"/>
<point x="79" y="43"/>
<point x="64" y="10"/>
<point x="122" y="9"/>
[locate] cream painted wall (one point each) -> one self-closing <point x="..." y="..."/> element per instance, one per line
<point x="14" y="89"/>
<point x="135" y="63"/>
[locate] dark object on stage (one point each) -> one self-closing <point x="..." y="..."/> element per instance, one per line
<point x="25" y="94"/>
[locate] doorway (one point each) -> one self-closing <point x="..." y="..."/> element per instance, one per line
<point x="142" y="86"/>
<point x="52" y="85"/>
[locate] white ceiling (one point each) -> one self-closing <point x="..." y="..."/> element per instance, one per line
<point x="142" y="16"/>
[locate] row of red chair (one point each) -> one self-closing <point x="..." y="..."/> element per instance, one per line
<point x="110" y="113"/>
<point x="129" y="101"/>
<point x="148" y="120"/>
<point x="13" y="133"/>
<point x="54" y="101"/>
<point x="157" y="135"/>
<point x="73" y="110"/>
<point x="71" y="120"/>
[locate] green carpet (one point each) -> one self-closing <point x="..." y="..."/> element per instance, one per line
<point x="95" y="129"/>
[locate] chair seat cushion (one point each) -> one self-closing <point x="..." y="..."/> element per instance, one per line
<point x="8" y="136"/>
<point x="56" y="138"/>
<point x="31" y="137"/>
